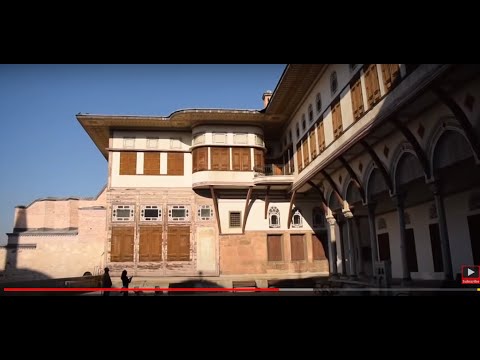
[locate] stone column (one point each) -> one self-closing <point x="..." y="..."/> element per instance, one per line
<point x="340" y="222"/>
<point x="373" y="235"/>
<point x="332" y="246"/>
<point x="351" y="249"/>
<point x="358" y="246"/>
<point x="398" y="199"/>
<point x="442" y="224"/>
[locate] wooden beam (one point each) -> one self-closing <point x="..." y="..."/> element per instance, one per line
<point x="247" y="209"/>
<point x="215" y="206"/>
<point x="461" y="118"/>
<point x="292" y="200"/>
<point x="267" y="201"/>
<point x="379" y="164"/>
<point x="333" y="185"/>
<point x="353" y="176"/>
<point x="416" y="146"/>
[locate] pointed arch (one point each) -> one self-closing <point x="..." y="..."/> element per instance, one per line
<point x="442" y="129"/>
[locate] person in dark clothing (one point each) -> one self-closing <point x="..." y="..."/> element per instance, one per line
<point x="125" y="281"/>
<point x="106" y="281"/>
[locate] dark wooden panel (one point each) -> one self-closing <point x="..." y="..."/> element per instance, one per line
<point x="274" y="247"/>
<point x="411" y="250"/>
<point x="150" y="243"/>
<point x="436" y="247"/>
<point x="474" y="229"/>
<point x="178" y="243"/>
<point x="122" y="244"/>
<point x="384" y="246"/>
<point x="297" y="247"/>
<point x="319" y="246"/>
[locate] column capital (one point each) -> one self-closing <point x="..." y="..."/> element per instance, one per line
<point x="347" y="213"/>
<point x="331" y="220"/>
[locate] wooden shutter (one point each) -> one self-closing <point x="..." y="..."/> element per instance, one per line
<point x="151" y="163"/>
<point x="194" y="160"/>
<point x="313" y="144"/>
<point x="241" y="159"/>
<point x="318" y="246"/>
<point x="372" y="85"/>
<point x="274" y="247"/>
<point x="178" y="243"/>
<point x="200" y="159"/>
<point x="128" y="163"/>
<point x="259" y="160"/>
<point x="299" y="157"/>
<point x="220" y="158"/>
<point x="277" y="169"/>
<point x="236" y="159"/>
<point x="306" y="156"/>
<point x="122" y="244"/>
<point x="357" y="100"/>
<point x="321" y="137"/>
<point x="150" y="243"/>
<point x="297" y="247"/>
<point x="337" y="120"/>
<point x="175" y="163"/>
<point x="245" y="156"/>
<point x="391" y="75"/>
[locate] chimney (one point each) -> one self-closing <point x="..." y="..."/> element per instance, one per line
<point x="266" y="98"/>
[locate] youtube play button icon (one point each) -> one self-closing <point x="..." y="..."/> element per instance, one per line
<point x="470" y="274"/>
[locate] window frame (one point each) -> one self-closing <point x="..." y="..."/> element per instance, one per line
<point x="116" y="207"/>
<point x="149" y="219"/>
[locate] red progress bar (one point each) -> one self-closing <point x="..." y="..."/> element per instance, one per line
<point x="140" y="289"/>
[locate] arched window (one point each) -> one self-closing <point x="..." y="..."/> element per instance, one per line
<point x="297" y="221"/>
<point x="333" y="82"/>
<point x="310" y="113"/>
<point x="297" y="128"/>
<point x="304" y="123"/>
<point x="274" y="217"/>
<point x="317" y="217"/>
<point x="318" y="101"/>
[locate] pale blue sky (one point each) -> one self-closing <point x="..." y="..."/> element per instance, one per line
<point x="45" y="151"/>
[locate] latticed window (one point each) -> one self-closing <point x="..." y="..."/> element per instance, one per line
<point x="178" y="213"/>
<point x="123" y="212"/>
<point x="333" y="82"/>
<point x="151" y="213"/>
<point x="274" y="217"/>
<point x="205" y="212"/>
<point x="318" y="101"/>
<point x="297" y="221"/>
<point x="235" y="219"/>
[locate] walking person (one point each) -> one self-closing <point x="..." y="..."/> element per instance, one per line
<point x="125" y="281"/>
<point x="106" y="281"/>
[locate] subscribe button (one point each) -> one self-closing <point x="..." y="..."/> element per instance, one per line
<point x="470" y="274"/>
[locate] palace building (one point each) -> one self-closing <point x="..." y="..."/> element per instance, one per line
<point x="345" y="166"/>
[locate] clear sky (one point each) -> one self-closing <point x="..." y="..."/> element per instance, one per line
<point x="44" y="150"/>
